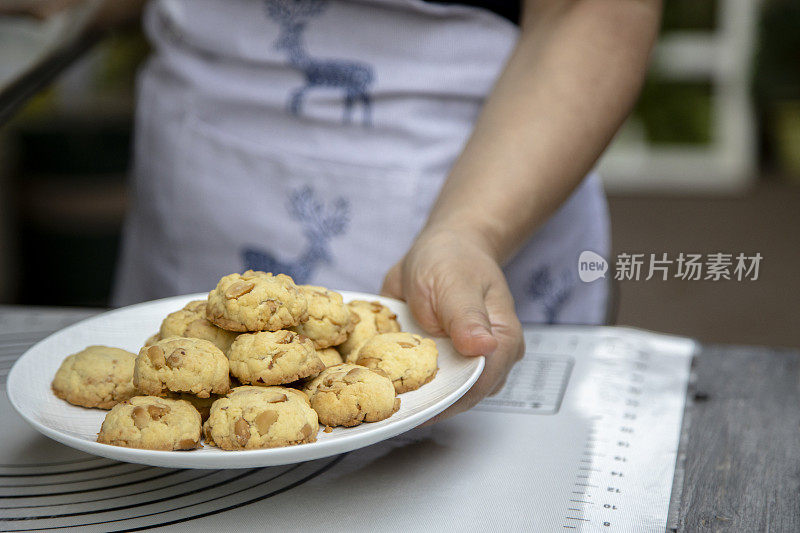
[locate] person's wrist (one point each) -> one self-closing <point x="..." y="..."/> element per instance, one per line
<point x="447" y="232"/>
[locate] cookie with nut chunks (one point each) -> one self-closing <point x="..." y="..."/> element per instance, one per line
<point x="273" y="357"/>
<point x="191" y="321"/>
<point x="347" y="395"/>
<point x="371" y="318"/>
<point x="181" y="364"/>
<point x="329" y="320"/>
<point x="256" y="301"/>
<point x="409" y="360"/>
<point x="261" y="417"/>
<point x="152" y="423"/>
<point x="97" y="376"/>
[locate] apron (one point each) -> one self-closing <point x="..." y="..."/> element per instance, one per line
<point x="312" y="138"/>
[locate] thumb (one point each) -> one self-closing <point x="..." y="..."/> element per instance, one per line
<point x="393" y="283"/>
<point x="461" y="309"/>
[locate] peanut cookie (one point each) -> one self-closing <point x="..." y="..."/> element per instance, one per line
<point x="347" y="395"/>
<point x="256" y="301"/>
<point x="181" y="364"/>
<point x="152" y="339"/>
<point x="153" y="424"/>
<point x="373" y="318"/>
<point x="329" y="356"/>
<point x="203" y="405"/>
<point x="261" y="417"/>
<point x="273" y="357"/>
<point x="409" y="360"/>
<point x="191" y="322"/>
<point x="98" y="376"/>
<point x="329" y="321"/>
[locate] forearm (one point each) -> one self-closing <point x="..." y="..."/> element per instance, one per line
<point x="571" y="81"/>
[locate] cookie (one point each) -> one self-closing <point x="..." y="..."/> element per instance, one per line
<point x="373" y="318"/>
<point x="347" y="395"/>
<point x="153" y="424"/>
<point x="261" y="417"/>
<point x="256" y="301"/>
<point x="329" y="357"/>
<point x="329" y="321"/>
<point x="98" y="376"/>
<point x="191" y="322"/>
<point x="409" y="360"/>
<point x="152" y="339"/>
<point x="203" y="405"/>
<point x="273" y="357"/>
<point x="181" y="364"/>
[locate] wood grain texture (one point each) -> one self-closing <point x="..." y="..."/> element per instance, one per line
<point x="742" y="468"/>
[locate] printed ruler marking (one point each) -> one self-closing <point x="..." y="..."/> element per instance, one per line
<point x="535" y="386"/>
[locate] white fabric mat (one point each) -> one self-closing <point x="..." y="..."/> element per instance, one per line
<point x="584" y="437"/>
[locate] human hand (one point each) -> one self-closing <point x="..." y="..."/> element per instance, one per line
<point x="454" y="287"/>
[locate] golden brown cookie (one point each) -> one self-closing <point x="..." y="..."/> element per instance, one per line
<point x="152" y="339"/>
<point x="373" y="318"/>
<point x="261" y="417"/>
<point x="347" y="395"/>
<point x="181" y="364"/>
<point x="329" y="357"/>
<point x="98" y="376"/>
<point x="191" y="322"/>
<point x="256" y="301"/>
<point x="273" y="357"/>
<point x="203" y="405"/>
<point x="153" y="424"/>
<point x="329" y="320"/>
<point x="408" y="360"/>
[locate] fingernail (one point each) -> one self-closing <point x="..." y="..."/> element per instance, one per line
<point x="479" y="331"/>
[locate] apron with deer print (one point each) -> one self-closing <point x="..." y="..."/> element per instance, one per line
<point x="311" y="137"/>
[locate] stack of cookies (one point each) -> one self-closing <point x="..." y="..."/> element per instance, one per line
<point x="262" y="363"/>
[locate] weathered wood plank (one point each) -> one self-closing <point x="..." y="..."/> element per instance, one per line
<point x="742" y="469"/>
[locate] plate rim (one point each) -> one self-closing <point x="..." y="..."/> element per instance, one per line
<point x="237" y="458"/>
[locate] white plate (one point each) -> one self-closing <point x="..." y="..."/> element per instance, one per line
<point x="128" y="328"/>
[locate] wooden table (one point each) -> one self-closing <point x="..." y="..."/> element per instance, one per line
<point x="740" y="449"/>
<point x="738" y="462"/>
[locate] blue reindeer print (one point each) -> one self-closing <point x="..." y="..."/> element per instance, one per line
<point x="352" y="77"/>
<point x="551" y="292"/>
<point x="320" y="225"/>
